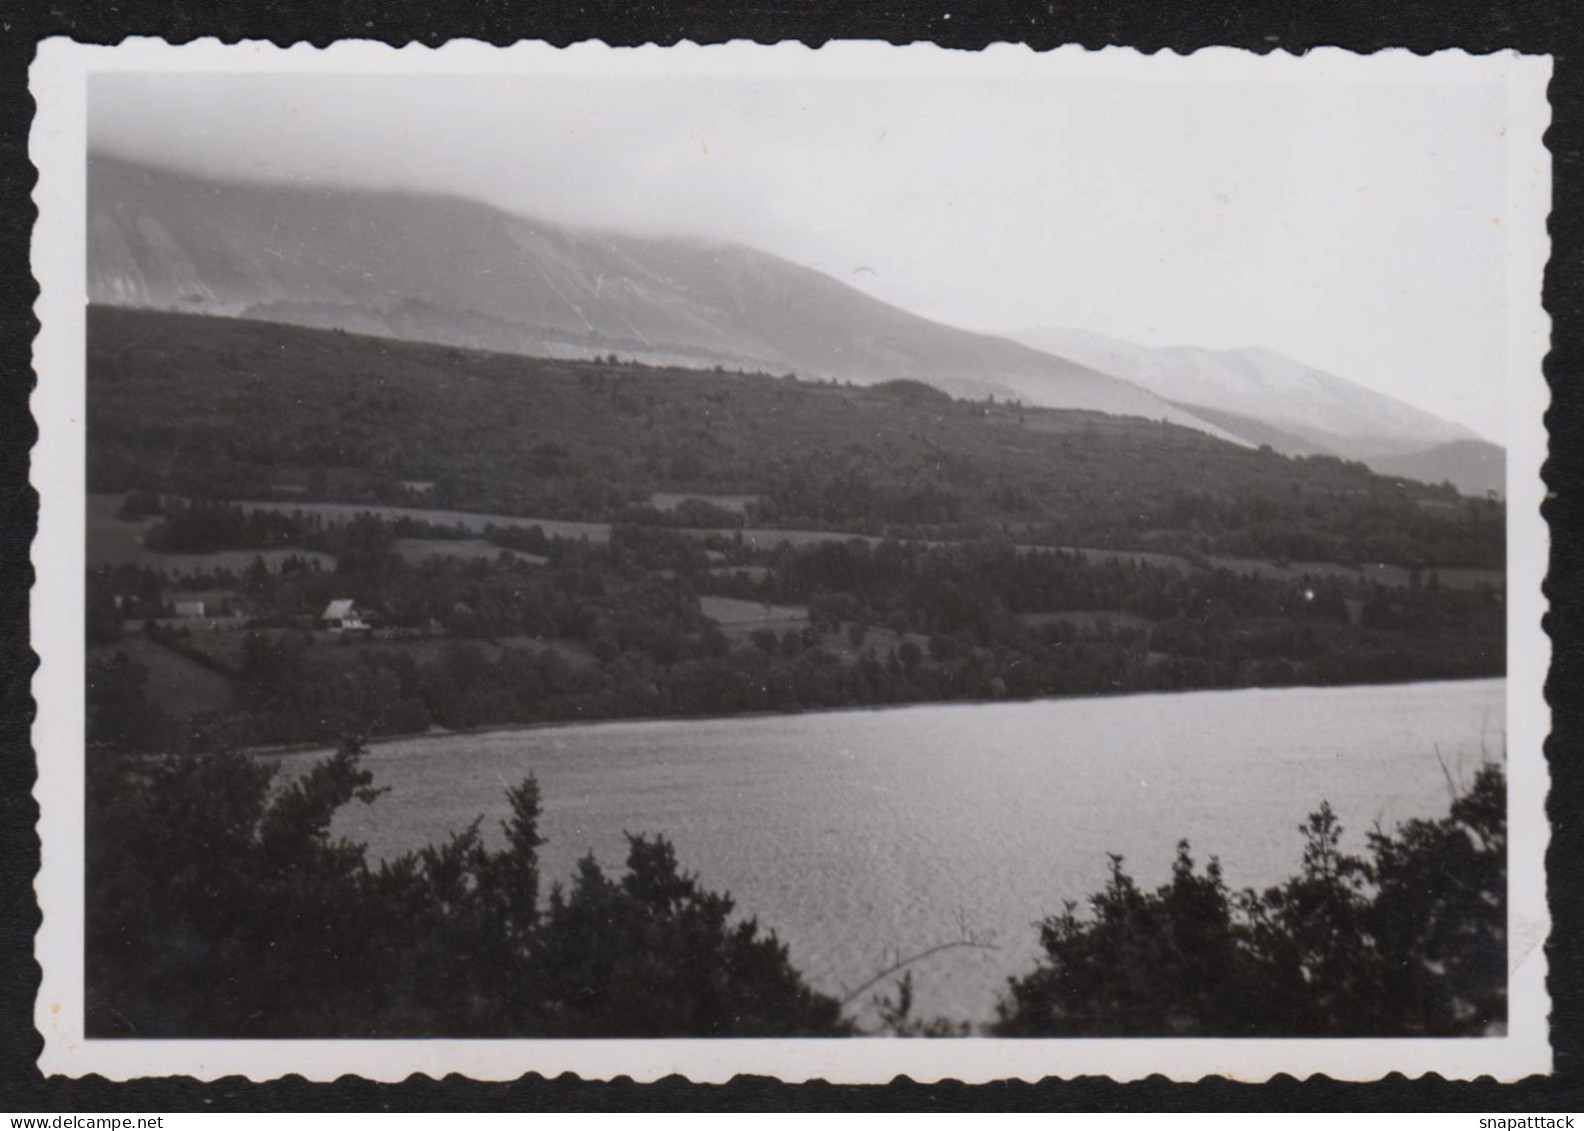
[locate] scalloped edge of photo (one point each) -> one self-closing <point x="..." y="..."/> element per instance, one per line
<point x="58" y="148"/>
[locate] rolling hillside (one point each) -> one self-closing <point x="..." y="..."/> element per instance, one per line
<point x="457" y="272"/>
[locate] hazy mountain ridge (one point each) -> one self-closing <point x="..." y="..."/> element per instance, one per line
<point x="1335" y="414"/>
<point x="463" y="273"/>
<point x="1259" y="432"/>
<point x="1474" y="467"/>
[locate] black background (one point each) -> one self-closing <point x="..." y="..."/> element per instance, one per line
<point x="1419" y="25"/>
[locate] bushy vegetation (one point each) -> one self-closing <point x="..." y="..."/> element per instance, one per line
<point x="219" y="905"/>
<point x="1408" y="941"/>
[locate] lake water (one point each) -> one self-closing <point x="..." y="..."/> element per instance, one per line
<point x="857" y="835"/>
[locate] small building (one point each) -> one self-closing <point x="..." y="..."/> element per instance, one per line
<point x="189" y="608"/>
<point x="341" y="615"/>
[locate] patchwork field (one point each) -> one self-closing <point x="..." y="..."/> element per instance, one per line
<point x="739" y="618"/>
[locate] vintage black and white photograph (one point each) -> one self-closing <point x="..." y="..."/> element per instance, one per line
<point x="669" y="546"/>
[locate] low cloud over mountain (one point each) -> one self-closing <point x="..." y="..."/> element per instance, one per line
<point x="448" y="270"/>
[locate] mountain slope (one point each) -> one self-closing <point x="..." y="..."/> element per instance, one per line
<point x="1474" y="467"/>
<point x="1319" y="409"/>
<point x="1261" y="432"/>
<point x="462" y="273"/>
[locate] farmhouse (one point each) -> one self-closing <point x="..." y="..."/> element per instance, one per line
<point x="341" y="615"/>
<point x="189" y="608"/>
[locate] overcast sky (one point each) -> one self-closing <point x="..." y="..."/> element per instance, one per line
<point x="1356" y="228"/>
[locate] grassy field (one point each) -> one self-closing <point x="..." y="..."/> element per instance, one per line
<point x="731" y="612"/>
<point x="741" y="619"/>
<point x="180" y="686"/>
<point x="468" y="549"/>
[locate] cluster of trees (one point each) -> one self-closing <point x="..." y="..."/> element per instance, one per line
<point x="220" y="905"/>
<point x="201" y="526"/>
<point x="1410" y="940"/>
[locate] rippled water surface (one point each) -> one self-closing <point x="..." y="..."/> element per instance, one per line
<point x="857" y="835"/>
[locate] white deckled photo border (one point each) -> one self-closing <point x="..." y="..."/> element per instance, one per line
<point x="58" y="149"/>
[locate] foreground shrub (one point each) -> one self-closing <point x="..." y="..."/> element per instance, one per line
<point x="220" y="906"/>
<point x="1410" y="941"/>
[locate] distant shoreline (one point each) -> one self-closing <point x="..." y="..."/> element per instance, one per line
<point x="294" y="749"/>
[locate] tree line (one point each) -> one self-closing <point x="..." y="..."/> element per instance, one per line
<point x="1407" y="940"/>
<point x="220" y="905"/>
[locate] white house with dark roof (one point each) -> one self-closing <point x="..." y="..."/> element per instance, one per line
<point x="341" y="615"/>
